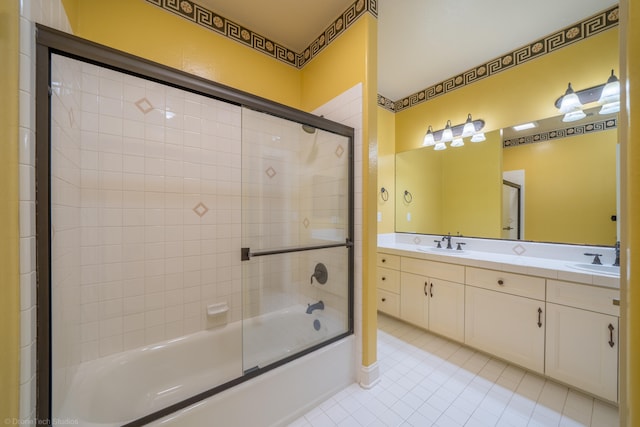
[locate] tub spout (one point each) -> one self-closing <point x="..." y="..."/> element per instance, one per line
<point x="317" y="306"/>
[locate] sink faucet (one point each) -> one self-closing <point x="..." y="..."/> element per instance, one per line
<point x="617" y="261"/>
<point x="448" y="239"/>
<point x="317" y="306"/>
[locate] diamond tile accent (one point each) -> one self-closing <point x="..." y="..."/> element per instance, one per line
<point x="144" y="105"/>
<point x="271" y="172"/>
<point x="339" y="151"/>
<point x="306" y="223"/>
<point x="201" y="209"/>
<point x="519" y="249"/>
<point x="417" y="240"/>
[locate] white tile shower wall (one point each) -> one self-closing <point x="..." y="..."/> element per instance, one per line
<point x="66" y="77"/>
<point x="160" y="211"/>
<point x="52" y="14"/>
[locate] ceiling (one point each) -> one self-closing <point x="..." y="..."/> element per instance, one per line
<point x="420" y="42"/>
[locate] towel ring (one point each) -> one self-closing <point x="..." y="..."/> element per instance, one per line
<point x="384" y="194"/>
<point x="408" y="197"/>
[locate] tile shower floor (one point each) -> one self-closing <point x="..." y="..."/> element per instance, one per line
<point x="430" y="381"/>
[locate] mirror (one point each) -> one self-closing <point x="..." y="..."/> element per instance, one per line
<point x="560" y="181"/>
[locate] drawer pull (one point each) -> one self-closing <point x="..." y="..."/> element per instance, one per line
<point x="384" y="260"/>
<point x="539" y="317"/>
<point x="384" y="278"/>
<point x="431" y="290"/>
<point x="616" y="301"/>
<point x="611" y="328"/>
<point x="500" y="282"/>
<point x="425" y="289"/>
<point x="384" y="299"/>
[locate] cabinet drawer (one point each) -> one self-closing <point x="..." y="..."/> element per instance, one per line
<point x="510" y="283"/>
<point x="433" y="269"/>
<point x="388" y="279"/>
<point x="388" y="261"/>
<point x="389" y="303"/>
<point x="585" y="297"/>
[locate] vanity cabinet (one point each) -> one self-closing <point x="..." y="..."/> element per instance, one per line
<point x="505" y="316"/>
<point x="388" y="283"/>
<point x="582" y="337"/>
<point x="430" y="298"/>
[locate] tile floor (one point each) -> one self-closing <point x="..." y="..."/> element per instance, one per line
<point x="429" y="381"/>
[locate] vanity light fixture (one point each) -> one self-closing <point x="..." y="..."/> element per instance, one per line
<point x="454" y="134"/>
<point x="571" y="104"/>
<point x="524" y="126"/>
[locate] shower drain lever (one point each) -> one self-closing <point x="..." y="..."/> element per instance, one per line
<point x="320" y="273"/>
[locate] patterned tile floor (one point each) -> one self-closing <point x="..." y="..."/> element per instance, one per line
<point x="427" y="380"/>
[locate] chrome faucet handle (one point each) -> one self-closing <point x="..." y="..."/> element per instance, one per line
<point x="459" y="248"/>
<point x="596" y="258"/>
<point x="439" y="245"/>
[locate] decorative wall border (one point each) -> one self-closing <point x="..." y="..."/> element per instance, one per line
<point x="217" y="23"/>
<point x="579" y="31"/>
<point x="598" y="126"/>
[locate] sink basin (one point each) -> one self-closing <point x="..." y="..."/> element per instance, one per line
<point x="443" y="251"/>
<point x="596" y="268"/>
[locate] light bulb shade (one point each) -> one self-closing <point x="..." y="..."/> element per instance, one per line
<point x="610" y="91"/>
<point x="457" y="142"/>
<point x="570" y="101"/>
<point x="610" y="108"/>
<point x="428" y="138"/>
<point x="440" y="146"/>
<point x="469" y="128"/>
<point x="447" y="133"/>
<point x="478" y="137"/>
<point x="572" y="116"/>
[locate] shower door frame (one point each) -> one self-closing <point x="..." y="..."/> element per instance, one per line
<point x="50" y="41"/>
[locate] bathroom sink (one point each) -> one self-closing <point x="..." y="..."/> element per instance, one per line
<point x="597" y="268"/>
<point x="443" y="251"/>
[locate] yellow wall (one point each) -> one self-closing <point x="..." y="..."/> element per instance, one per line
<point x="458" y="190"/>
<point x="585" y="164"/>
<point x="145" y="30"/>
<point x="386" y="169"/>
<point x="523" y="93"/>
<point x="9" y="230"/>
<point x="630" y="277"/>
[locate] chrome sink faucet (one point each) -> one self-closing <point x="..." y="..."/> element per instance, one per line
<point x="617" y="261"/>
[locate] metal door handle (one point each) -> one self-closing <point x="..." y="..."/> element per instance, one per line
<point x="431" y="290"/>
<point x="539" y="317"/>
<point x="611" y="328"/>
<point x="425" y="289"/>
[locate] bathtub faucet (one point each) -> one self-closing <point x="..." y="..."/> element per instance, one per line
<point x="317" y="306"/>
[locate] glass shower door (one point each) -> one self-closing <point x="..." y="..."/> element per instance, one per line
<point x="296" y="238"/>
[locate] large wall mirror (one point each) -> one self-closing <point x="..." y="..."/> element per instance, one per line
<point x="555" y="183"/>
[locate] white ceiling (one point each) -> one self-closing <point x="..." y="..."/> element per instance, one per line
<point x="420" y="42"/>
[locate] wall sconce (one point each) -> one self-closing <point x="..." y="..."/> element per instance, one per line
<point x="454" y="134"/>
<point x="572" y="104"/>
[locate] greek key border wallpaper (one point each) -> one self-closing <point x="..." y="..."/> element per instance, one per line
<point x="562" y="133"/>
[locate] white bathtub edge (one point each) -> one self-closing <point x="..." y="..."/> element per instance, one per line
<point x="277" y="397"/>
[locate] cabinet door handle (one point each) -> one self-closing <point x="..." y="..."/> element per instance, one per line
<point x="431" y="290"/>
<point x="500" y="282"/>
<point x="384" y="260"/>
<point x="384" y="278"/>
<point x="425" y="289"/>
<point x="539" y="317"/>
<point x="611" y="328"/>
<point x="384" y="299"/>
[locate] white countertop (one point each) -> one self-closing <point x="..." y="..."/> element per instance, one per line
<point x="534" y="266"/>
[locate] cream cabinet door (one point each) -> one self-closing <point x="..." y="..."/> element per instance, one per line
<point x="446" y="308"/>
<point x="414" y="302"/>
<point x="508" y="326"/>
<point x="582" y="349"/>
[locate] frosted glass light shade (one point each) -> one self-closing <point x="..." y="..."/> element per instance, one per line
<point x="428" y="138"/>
<point x="457" y="142"/>
<point x="447" y="133"/>
<point x="440" y="146"/>
<point x="573" y="116"/>
<point x="469" y="128"/>
<point x="478" y="137"/>
<point x="610" y="108"/>
<point x="570" y="101"/>
<point x="610" y="91"/>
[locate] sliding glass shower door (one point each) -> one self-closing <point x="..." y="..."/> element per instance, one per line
<point x="296" y="237"/>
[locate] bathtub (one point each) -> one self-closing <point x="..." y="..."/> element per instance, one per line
<point x="120" y="388"/>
